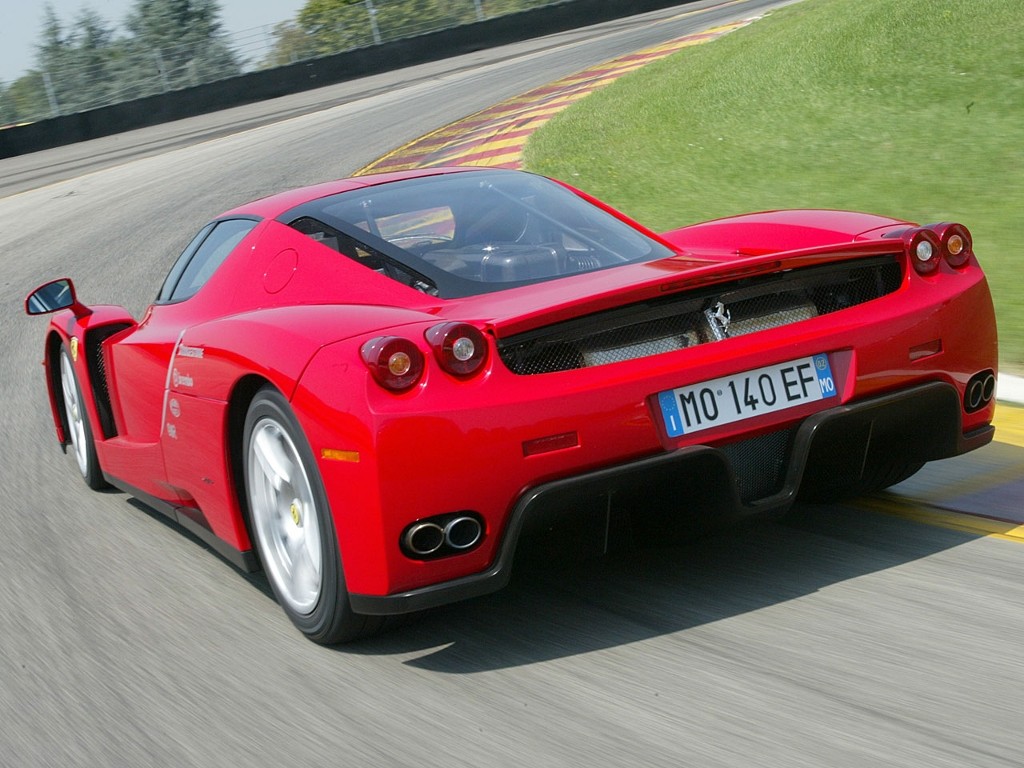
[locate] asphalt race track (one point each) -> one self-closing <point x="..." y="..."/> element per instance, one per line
<point x="845" y="636"/>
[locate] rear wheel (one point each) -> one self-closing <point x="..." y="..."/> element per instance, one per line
<point x="79" y="432"/>
<point x="292" y="524"/>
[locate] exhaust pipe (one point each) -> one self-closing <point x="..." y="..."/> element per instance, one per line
<point x="974" y="393"/>
<point x="988" y="387"/>
<point x="980" y="391"/>
<point x="424" y="538"/>
<point x="462" y="532"/>
<point x="442" y="535"/>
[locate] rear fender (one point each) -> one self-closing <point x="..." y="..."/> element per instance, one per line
<point x="217" y="369"/>
<point x="275" y="344"/>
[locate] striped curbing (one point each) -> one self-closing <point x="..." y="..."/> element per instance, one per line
<point x="495" y="136"/>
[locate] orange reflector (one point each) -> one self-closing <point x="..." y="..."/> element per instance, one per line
<point x="399" y="363"/>
<point x="926" y="350"/>
<point x="550" y="443"/>
<point x="333" y="454"/>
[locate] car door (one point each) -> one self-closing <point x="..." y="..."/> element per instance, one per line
<point x="141" y="361"/>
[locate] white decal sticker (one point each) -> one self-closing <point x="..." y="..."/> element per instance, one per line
<point x="187" y="351"/>
<point x="181" y="379"/>
<point x="172" y="431"/>
<point x="175" y="408"/>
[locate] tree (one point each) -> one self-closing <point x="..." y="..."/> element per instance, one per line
<point x="54" y="57"/>
<point x="175" y="44"/>
<point x="93" y="52"/>
<point x="74" y="64"/>
<point x="291" y="44"/>
<point x="332" y="26"/>
<point x="324" y="27"/>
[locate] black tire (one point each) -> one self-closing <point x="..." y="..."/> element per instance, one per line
<point x="77" y="429"/>
<point x="291" y="524"/>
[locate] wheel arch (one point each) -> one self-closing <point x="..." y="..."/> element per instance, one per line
<point x="242" y="395"/>
<point x="51" y="363"/>
<point x="331" y="619"/>
<point x="66" y="330"/>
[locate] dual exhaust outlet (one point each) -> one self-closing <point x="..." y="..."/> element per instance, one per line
<point x="440" y="536"/>
<point x="980" y="390"/>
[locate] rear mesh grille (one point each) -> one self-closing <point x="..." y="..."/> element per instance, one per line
<point x="759" y="463"/>
<point x="696" y="317"/>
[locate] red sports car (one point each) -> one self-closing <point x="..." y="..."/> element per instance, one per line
<point x="378" y="388"/>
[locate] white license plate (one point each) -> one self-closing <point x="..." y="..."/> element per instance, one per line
<point x="686" y="410"/>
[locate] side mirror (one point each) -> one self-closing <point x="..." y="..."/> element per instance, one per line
<point x="54" y="295"/>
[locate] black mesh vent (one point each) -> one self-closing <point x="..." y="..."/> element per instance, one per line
<point x="98" y="375"/>
<point x="696" y="317"/>
<point x="760" y="463"/>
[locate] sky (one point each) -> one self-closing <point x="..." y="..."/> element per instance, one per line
<point x="21" y="23"/>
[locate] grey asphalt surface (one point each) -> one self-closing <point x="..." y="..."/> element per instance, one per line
<point x="840" y="637"/>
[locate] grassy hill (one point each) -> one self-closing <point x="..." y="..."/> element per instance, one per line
<point x="911" y="108"/>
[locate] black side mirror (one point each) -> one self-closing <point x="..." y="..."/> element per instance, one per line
<point x="54" y="295"/>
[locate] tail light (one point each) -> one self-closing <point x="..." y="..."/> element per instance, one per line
<point x="956" y="243"/>
<point x="928" y="246"/>
<point x="924" y="249"/>
<point x="460" y="348"/>
<point x="395" y="363"/>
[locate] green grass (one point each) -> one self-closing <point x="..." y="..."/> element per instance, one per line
<point x="908" y="108"/>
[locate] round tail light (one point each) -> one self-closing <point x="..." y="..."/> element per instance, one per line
<point x="460" y="348"/>
<point x="957" y="246"/>
<point x="395" y="363"/>
<point x="924" y="249"/>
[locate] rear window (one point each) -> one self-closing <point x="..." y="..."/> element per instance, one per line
<point x="466" y="233"/>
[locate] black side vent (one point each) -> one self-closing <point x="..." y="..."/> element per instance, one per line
<point x="98" y="375"/>
<point x="697" y="317"/>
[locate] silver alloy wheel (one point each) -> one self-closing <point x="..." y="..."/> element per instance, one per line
<point x="73" y="409"/>
<point x="285" y="516"/>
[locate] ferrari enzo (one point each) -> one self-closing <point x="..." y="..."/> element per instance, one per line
<point x="378" y="389"/>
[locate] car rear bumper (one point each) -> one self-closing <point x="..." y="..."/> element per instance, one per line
<point x="839" y="448"/>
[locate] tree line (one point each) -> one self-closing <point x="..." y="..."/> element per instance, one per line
<point x="82" y="64"/>
<point x="166" y="45"/>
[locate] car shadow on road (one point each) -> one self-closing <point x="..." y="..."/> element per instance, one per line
<point x="560" y="606"/>
<point x="258" y="579"/>
<point x="558" y="609"/>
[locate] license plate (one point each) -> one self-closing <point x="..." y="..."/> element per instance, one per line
<point x="686" y="410"/>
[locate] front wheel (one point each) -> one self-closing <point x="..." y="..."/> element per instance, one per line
<point x="79" y="432"/>
<point x="292" y="524"/>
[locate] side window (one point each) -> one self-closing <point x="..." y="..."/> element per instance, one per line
<point x="201" y="258"/>
<point x="179" y="266"/>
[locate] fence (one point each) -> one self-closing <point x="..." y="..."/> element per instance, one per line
<point x="127" y="70"/>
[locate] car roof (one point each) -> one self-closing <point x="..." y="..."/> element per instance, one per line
<point x="274" y="205"/>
